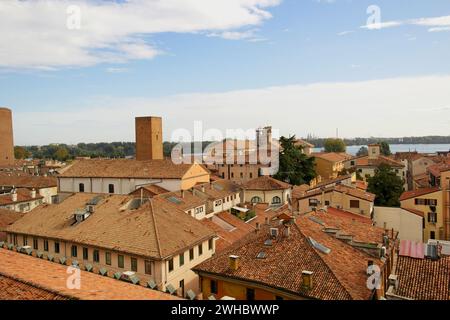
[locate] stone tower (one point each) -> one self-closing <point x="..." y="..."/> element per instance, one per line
<point x="6" y="138"/>
<point x="149" y="138"/>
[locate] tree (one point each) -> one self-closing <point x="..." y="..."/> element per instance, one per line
<point x="21" y="153"/>
<point x="385" y="149"/>
<point x="334" y="145"/>
<point x="295" y="167"/>
<point x="363" y="151"/>
<point x="61" y="154"/>
<point x="387" y="186"/>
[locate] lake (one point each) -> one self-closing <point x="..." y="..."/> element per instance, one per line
<point x="421" y="148"/>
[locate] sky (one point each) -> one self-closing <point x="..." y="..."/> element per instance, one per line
<point x="80" y="71"/>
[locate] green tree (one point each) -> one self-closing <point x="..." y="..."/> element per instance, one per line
<point x="387" y="186"/>
<point x="363" y="151"/>
<point x="61" y="154"/>
<point x="334" y="145"/>
<point x="295" y="167"/>
<point x="21" y="153"/>
<point x="385" y="149"/>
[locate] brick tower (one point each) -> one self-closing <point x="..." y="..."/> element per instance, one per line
<point x="149" y="138"/>
<point x="6" y="138"/>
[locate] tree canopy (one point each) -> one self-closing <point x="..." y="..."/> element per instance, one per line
<point x="21" y="153"/>
<point x="363" y="151"/>
<point x="387" y="186"/>
<point x="334" y="145"/>
<point x="385" y="148"/>
<point x="295" y="167"/>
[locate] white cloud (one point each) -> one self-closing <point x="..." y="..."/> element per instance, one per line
<point x="249" y="35"/>
<point x="387" y="107"/>
<point x="34" y="33"/>
<point x="344" y="33"/>
<point x="434" y="24"/>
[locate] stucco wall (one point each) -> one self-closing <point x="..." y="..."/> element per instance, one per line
<point x="409" y="225"/>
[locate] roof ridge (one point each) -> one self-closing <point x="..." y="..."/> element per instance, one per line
<point x="322" y="260"/>
<point x="156" y="229"/>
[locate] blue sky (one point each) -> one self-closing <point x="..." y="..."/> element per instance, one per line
<point x="303" y="51"/>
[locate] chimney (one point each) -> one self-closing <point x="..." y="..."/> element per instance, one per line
<point x="182" y="194"/>
<point x="287" y="231"/>
<point x="258" y="226"/>
<point x="307" y="280"/>
<point x="233" y="262"/>
<point x="14" y="196"/>
<point x="33" y="193"/>
<point x="266" y="221"/>
<point x="393" y="281"/>
<point x="203" y="188"/>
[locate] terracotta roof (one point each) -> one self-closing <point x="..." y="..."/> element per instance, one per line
<point x="218" y="189"/>
<point x="7" y="218"/>
<point x="436" y="169"/>
<point x="233" y="230"/>
<point x="417" y="193"/>
<point x="423" y="279"/>
<point x="123" y="168"/>
<point x="151" y="191"/>
<point x="414" y="211"/>
<point x="333" y="181"/>
<point x="332" y="156"/>
<point x="282" y="268"/>
<point x="184" y="200"/>
<point x="23" y="195"/>
<point x="298" y="191"/>
<point x="45" y="280"/>
<point x="37" y="182"/>
<point x="361" y="185"/>
<point x="366" y="162"/>
<point x="352" y="191"/>
<point x="157" y="229"/>
<point x="303" y="143"/>
<point x="266" y="183"/>
<point x="422" y="180"/>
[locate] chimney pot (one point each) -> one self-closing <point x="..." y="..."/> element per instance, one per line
<point x="33" y="193"/>
<point x="267" y="220"/>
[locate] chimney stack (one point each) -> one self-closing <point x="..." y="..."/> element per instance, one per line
<point x="14" y="195"/>
<point x="307" y="280"/>
<point x="233" y="262"/>
<point x="287" y="231"/>
<point x="33" y="193"/>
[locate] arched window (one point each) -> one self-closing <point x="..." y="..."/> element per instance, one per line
<point x="256" y="200"/>
<point x="276" y="200"/>
<point x="111" y="188"/>
<point x="81" y="187"/>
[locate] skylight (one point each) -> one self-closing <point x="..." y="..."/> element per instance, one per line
<point x="261" y="255"/>
<point x="268" y="243"/>
<point x="174" y="200"/>
<point x="317" y="220"/>
<point x="319" y="246"/>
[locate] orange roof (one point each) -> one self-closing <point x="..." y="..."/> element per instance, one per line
<point x="26" y="181"/>
<point x="49" y="280"/>
<point x="266" y="183"/>
<point x="23" y="195"/>
<point x="352" y="191"/>
<point x="7" y="218"/>
<point x="332" y="156"/>
<point x="417" y="193"/>
<point x="366" y="162"/>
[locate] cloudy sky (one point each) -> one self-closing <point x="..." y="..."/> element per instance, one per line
<point x="80" y="71"/>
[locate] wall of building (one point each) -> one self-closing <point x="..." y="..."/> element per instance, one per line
<point x="48" y="193"/>
<point x="438" y="227"/>
<point x="149" y="138"/>
<point x="238" y="173"/>
<point x="337" y="200"/>
<point x="409" y="225"/>
<point x="159" y="269"/>
<point x="267" y="196"/>
<point x="327" y="169"/>
<point x="23" y="207"/>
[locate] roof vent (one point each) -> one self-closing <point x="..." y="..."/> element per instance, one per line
<point x="233" y="262"/>
<point x="268" y="242"/>
<point x="261" y="255"/>
<point x="191" y="295"/>
<point x="81" y="215"/>
<point x="319" y="246"/>
<point x="171" y="289"/>
<point x="307" y="280"/>
<point x="152" y="284"/>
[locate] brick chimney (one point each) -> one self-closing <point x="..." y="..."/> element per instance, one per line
<point x="307" y="280"/>
<point x="234" y="262"/>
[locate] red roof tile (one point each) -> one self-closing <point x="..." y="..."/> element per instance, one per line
<point x="417" y="193"/>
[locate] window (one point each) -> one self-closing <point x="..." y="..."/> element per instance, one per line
<point x="148" y="267"/>
<point x="108" y="258"/>
<point x="56" y="247"/>
<point x="256" y="200"/>
<point x="15" y="239"/>
<point x="171" y="265"/>
<point x="432" y="235"/>
<point x="191" y="254"/>
<point x="250" y="294"/>
<point x="214" y="287"/>
<point x="111" y="188"/>
<point x="210" y="244"/>
<point x="85" y="254"/>
<point x="276" y="200"/>
<point x="74" y="251"/>
<point x="251" y="175"/>
<point x="352" y="163"/>
<point x="25" y="240"/>
<point x="432" y="217"/>
<point x="134" y="265"/>
<point x="181" y="259"/>
<point x="354" y="204"/>
<point x="200" y="249"/>
<point x="96" y="255"/>
<point x="242" y="175"/>
<point x="120" y="261"/>
<point x="46" y="245"/>
<point x="35" y="244"/>
<point x="81" y="187"/>
<point x="232" y="174"/>
<point x="327" y="203"/>
<point x="425" y="202"/>
<point x="313" y="202"/>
